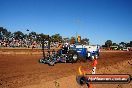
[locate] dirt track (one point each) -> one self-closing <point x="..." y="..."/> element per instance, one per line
<point x="24" y="70"/>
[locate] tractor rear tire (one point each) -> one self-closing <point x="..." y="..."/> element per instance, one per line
<point x="72" y="56"/>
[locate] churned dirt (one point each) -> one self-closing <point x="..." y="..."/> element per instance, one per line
<point x="24" y="71"/>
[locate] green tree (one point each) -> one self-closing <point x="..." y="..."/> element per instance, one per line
<point x="8" y="34"/>
<point x="66" y="39"/>
<point x="18" y="35"/>
<point x="72" y="40"/>
<point x="127" y="45"/>
<point x="122" y="44"/>
<point x="5" y="32"/>
<point x="85" y="41"/>
<point x="33" y="34"/>
<point x="56" y="38"/>
<point x="104" y="46"/>
<point x="108" y="43"/>
<point x="130" y="43"/>
<point x="43" y="36"/>
<point x="115" y="44"/>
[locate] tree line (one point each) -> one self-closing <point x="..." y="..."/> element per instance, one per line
<point x="54" y="38"/>
<point x="121" y="45"/>
<point x="4" y="33"/>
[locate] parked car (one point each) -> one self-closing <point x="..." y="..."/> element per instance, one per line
<point x="125" y="49"/>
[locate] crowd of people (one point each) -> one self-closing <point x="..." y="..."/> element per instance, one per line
<point x="24" y="43"/>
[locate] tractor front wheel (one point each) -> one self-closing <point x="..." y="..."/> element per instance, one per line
<point x="40" y="60"/>
<point x="73" y="56"/>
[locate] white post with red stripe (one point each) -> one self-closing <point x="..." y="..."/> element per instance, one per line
<point x="94" y="65"/>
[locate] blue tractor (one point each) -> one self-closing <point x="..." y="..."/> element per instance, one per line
<point x="70" y="53"/>
<point x="87" y="51"/>
<point x="63" y="55"/>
